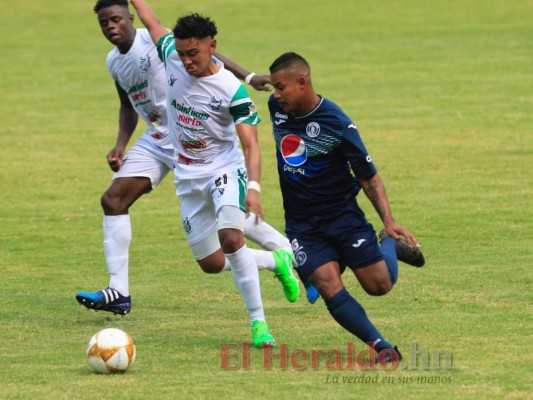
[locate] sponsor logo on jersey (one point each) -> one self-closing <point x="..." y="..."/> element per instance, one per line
<point x="154" y="117"/>
<point x="138" y="86"/>
<point x="189" y="120"/>
<point x="137" y="93"/>
<point x="312" y="129"/>
<point x="215" y="104"/>
<point x="191" y="144"/>
<point x="139" y="96"/>
<point x="293" y="150"/>
<point x="145" y="63"/>
<point x="157" y="135"/>
<point x="293" y="170"/>
<point x="189" y="111"/>
<point x="282" y="118"/>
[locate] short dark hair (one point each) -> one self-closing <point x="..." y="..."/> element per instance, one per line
<point x="101" y="4"/>
<point x="194" y="25"/>
<point x="287" y="60"/>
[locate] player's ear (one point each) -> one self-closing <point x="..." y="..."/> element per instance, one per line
<point x="213" y="46"/>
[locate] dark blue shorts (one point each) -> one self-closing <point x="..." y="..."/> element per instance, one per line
<point x="344" y="238"/>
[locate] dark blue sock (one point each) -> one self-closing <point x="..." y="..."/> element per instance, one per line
<point x="388" y="248"/>
<point x="352" y="317"/>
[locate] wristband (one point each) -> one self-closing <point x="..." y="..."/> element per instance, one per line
<point x="248" y="79"/>
<point x="254" y="186"/>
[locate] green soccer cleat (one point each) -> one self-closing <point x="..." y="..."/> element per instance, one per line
<point x="261" y="337"/>
<point x="283" y="272"/>
<point x="408" y="253"/>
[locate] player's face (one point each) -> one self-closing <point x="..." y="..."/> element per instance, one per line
<point x="288" y="90"/>
<point x="195" y="54"/>
<point x="116" y="23"/>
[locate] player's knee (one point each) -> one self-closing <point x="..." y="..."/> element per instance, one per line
<point x="231" y="240"/>
<point x="211" y="269"/>
<point x="213" y="263"/>
<point x="111" y="204"/>
<point x="378" y="288"/>
<point x="108" y="202"/>
<point x="230" y="247"/>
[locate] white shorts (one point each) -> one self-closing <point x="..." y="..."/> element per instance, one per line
<point x="148" y="160"/>
<point x="201" y="200"/>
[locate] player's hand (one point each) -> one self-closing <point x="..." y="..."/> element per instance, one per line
<point x="252" y="202"/>
<point x="114" y="158"/>
<point x="395" y="231"/>
<point x="261" y="83"/>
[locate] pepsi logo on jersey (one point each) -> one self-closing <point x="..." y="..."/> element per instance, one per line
<point x="293" y="150"/>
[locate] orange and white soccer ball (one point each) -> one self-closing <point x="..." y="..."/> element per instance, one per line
<point x="111" y="351"/>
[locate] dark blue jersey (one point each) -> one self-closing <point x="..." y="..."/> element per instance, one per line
<point x="320" y="156"/>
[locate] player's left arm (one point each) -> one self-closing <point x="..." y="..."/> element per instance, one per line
<point x="258" y="82"/>
<point x="375" y="191"/>
<point x="250" y="146"/>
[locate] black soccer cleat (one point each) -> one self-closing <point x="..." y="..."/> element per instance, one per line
<point x="389" y="355"/>
<point x="106" y="300"/>
<point x="407" y="253"/>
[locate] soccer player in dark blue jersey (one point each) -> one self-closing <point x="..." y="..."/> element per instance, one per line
<point x="322" y="165"/>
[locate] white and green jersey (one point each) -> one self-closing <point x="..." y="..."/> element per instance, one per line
<point x="140" y="74"/>
<point x="202" y="114"/>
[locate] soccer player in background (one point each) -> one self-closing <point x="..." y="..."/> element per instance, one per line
<point x="318" y="147"/>
<point x="216" y="180"/>
<point x="140" y="80"/>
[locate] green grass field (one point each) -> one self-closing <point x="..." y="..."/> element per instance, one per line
<point x="442" y="95"/>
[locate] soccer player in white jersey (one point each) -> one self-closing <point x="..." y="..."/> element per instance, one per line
<point x="140" y="80"/>
<point x="215" y="181"/>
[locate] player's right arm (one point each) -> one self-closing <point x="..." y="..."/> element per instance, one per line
<point x="127" y="122"/>
<point x="258" y="82"/>
<point x="149" y="20"/>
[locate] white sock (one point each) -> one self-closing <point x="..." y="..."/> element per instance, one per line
<point x="246" y="277"/>
<point x="117" y="238"/>
<point x="264" y="234"/>
<point x="263" y="259"/>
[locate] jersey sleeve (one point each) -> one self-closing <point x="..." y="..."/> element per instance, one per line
<point x="356" y="153"/>
<point x="120" y="90"/>
<point x="242" y="108"/>
<point x="165" y="46"/>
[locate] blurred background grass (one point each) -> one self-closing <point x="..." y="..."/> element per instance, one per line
<point x="441" y="93"/>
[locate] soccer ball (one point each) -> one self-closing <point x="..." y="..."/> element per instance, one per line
<point x="111" y="351"/>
